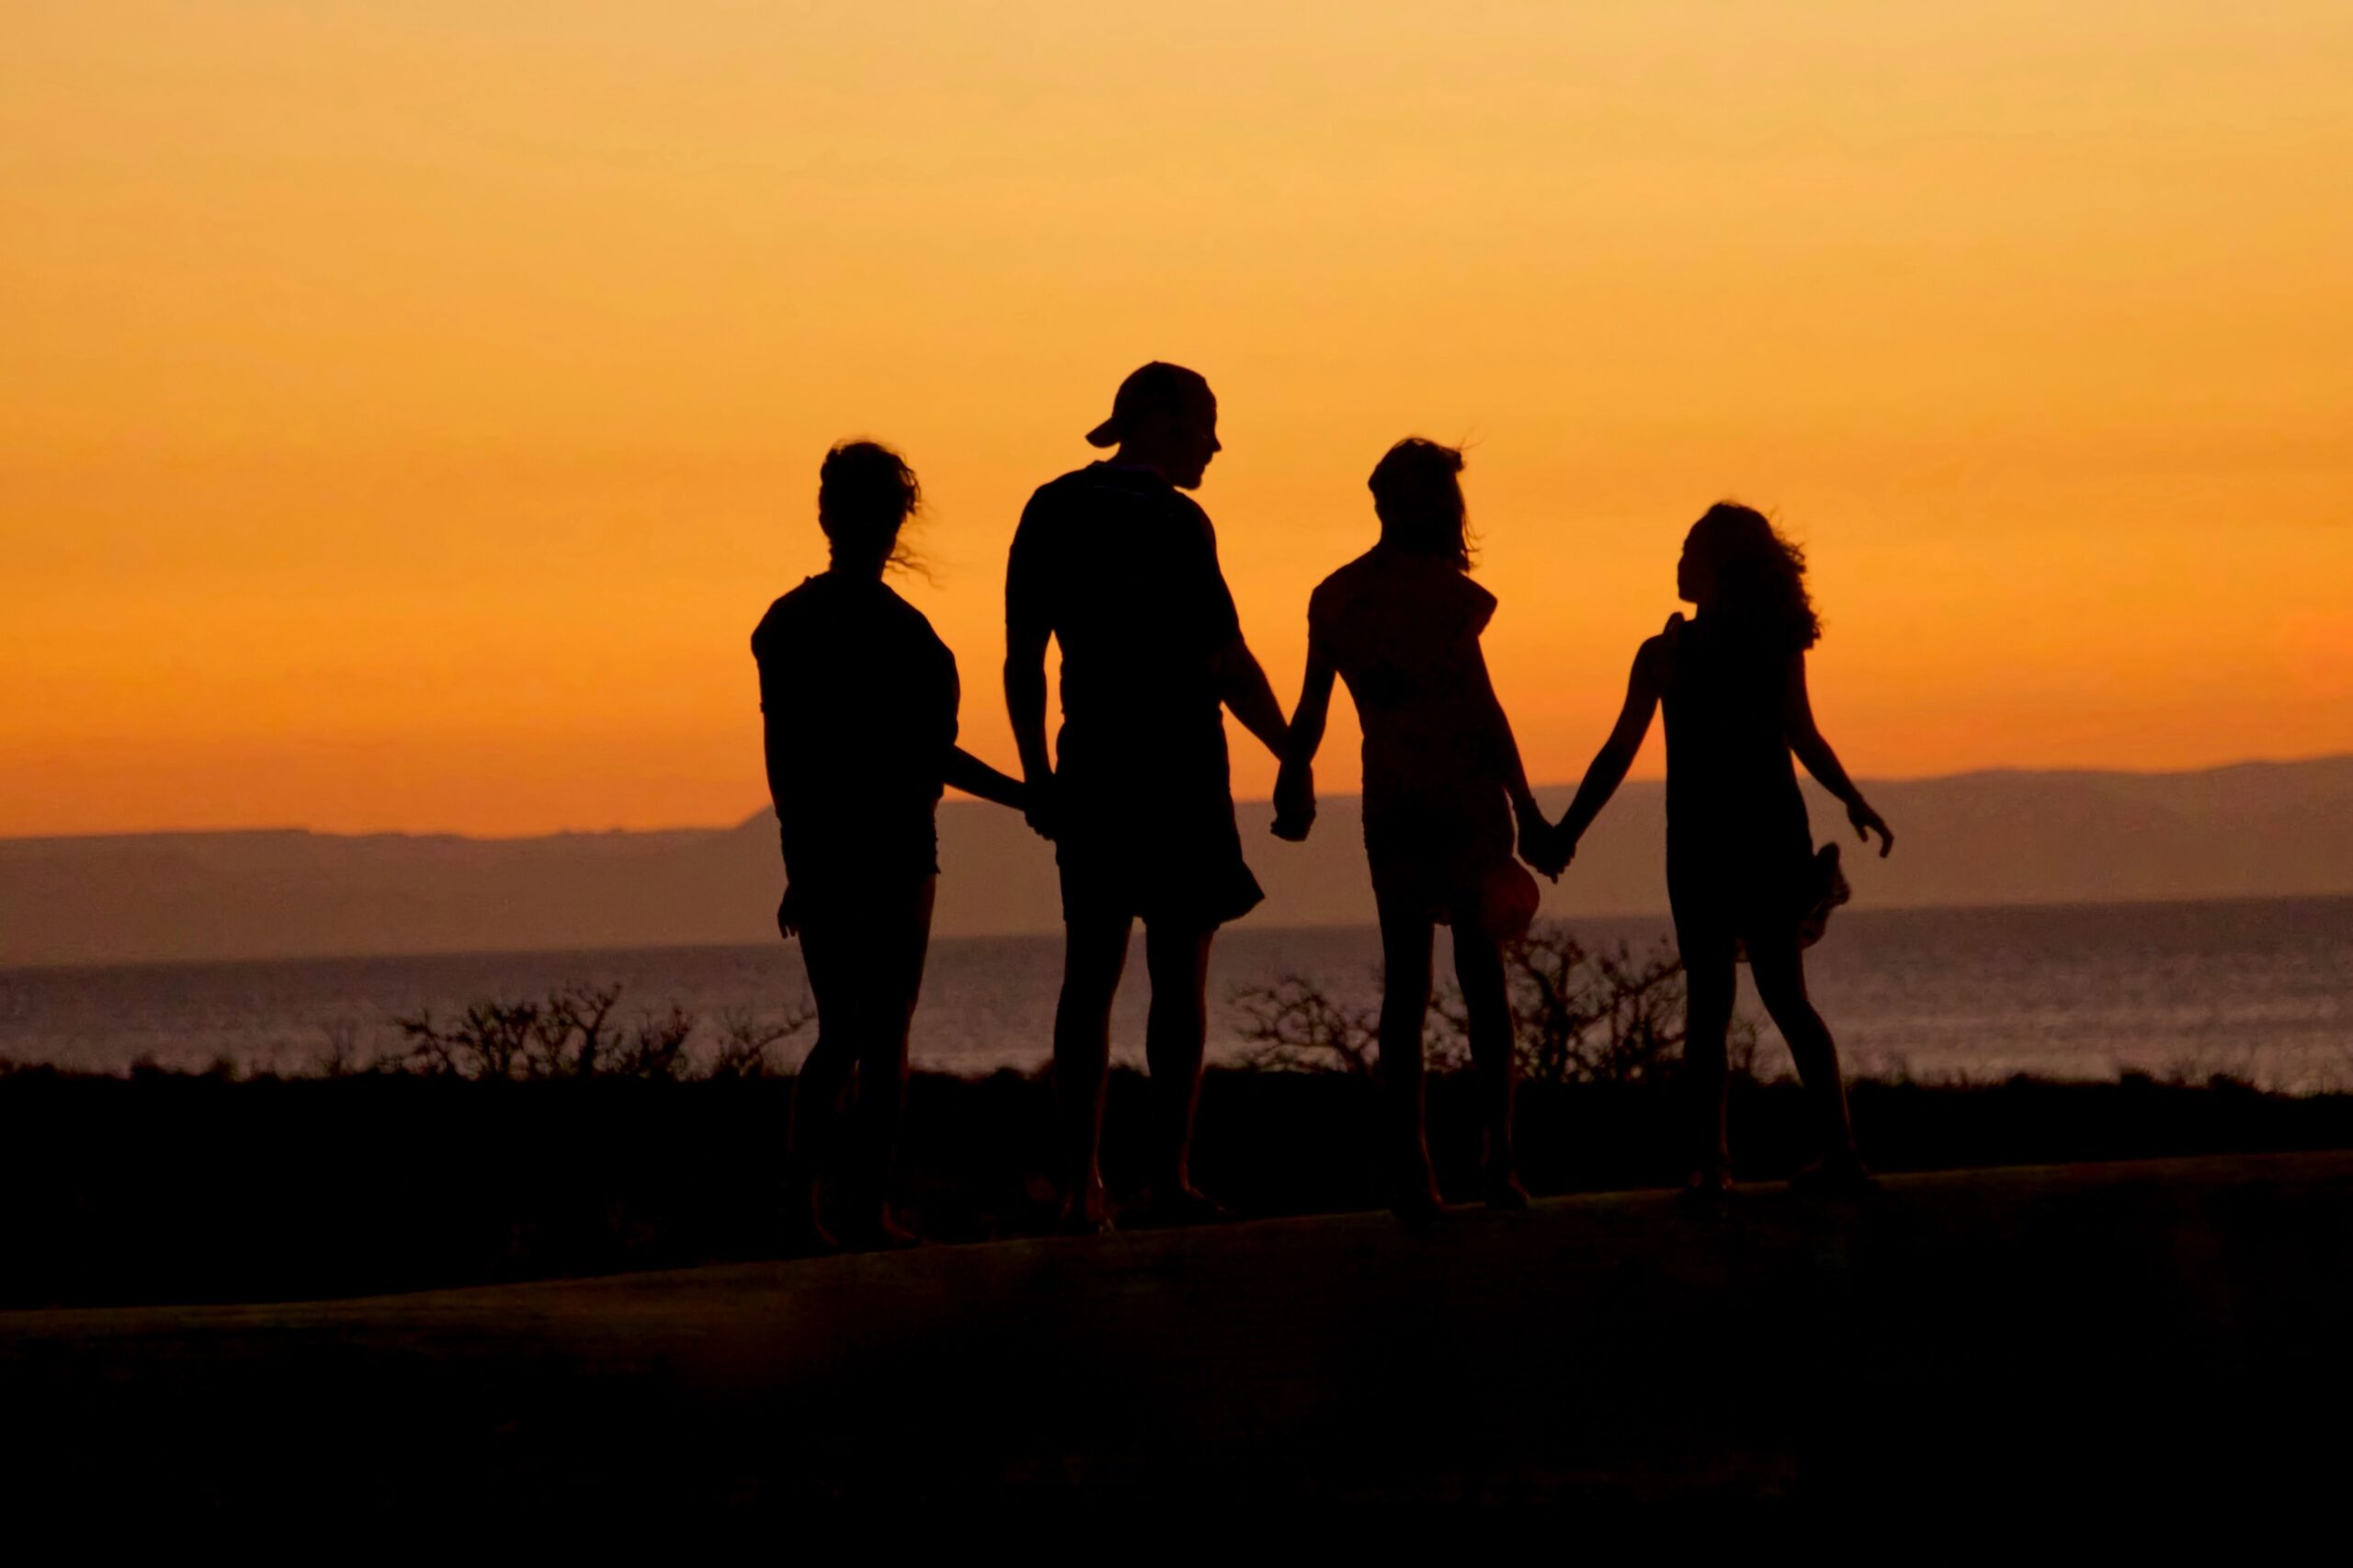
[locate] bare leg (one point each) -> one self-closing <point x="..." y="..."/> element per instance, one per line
<point x="1479" y="970"/>
<point x="822" y="1085"/>
<point x="1405" y="1004"/>
<point x="1176" y="1037"/>
<point x="1095" y="951"/>
<point x="1778" y="966"/>
<point x="1710" y="981"/>
<point x="896" y="939"/>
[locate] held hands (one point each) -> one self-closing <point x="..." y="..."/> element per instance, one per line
<point x="1038" y="808"/>
<point x="1542" y="845"/>
<point x="1294" y="803"/>
<point x="788" y="919"/>
<point x="1867" y="822"/>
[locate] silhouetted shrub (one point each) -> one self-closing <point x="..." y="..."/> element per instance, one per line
<point x="572" y="1033"/>
<point x="1579" y="1015"/>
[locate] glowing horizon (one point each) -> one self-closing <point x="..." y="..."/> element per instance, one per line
<point x="410" y="410"/>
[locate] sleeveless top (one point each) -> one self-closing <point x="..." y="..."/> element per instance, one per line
<point x="1733" y="812"/>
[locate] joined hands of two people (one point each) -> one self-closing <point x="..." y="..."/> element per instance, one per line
<point x="1039" y="808"/>
<point x="1542" y="845"/>
<point x="1294" y="803"/>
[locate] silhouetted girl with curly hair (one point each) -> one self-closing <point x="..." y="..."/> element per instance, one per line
<point x="1742" y="874"/>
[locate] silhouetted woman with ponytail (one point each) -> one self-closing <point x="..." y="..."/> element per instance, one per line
<point x="858" y="698"/>
<point x="1742" y="873"/>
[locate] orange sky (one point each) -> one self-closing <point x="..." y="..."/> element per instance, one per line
<point x="406" y="409"/>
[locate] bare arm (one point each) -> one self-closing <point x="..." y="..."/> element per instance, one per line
<point x="1806" y="740"/>
<point x="1617" y="754"/>
<point x="772" y="745"/>
<point x="1507" y="745"/>
<point x="1025" y="701"/>
<point x="1295" y="785"/>
<point x="1242" y="687"/>
<point x="968" y="773"/>
<point x="1314" y="710"/>
<point x="1537" y="845"/>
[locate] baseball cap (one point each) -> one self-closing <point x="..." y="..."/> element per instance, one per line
<point x="1151" y="389"/>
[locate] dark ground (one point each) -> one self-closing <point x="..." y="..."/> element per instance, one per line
<point x="172" y="1188"/>
<point x="2128" y="1341"/>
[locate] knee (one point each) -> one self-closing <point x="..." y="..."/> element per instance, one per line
<point x="1179" y="1016"/>
<point x="1404" y="1012"/>
<point x="1086" y="1000"/>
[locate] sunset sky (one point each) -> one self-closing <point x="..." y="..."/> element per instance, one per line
<point x="408" y="406"/>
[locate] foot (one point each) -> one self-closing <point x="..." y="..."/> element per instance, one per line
<point x="1706" y="1187"/>
<point x="801" y="1233"/>
<point x="1086" y="1213"/>
<point x="881" y="1231"/>
<point x="1504" y="1191"/>
<point x="1416" y="1204"/>
<point x="1412" y="1184"/>
<point x="1840" y="1177"/>
<point x="1185" y="1204"/>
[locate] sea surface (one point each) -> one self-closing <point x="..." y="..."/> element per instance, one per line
<point x="2258" y="989"/>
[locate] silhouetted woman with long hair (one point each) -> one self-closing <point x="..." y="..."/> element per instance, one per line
<point x="858" y="698"/>
<point x="1742" y="873"/>
<point x="1443" y="780"/>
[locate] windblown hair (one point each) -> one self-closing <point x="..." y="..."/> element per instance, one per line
<point x="866" y="492"/>
<point x="1759" y="576"/>
<point x="1419" y="500"/>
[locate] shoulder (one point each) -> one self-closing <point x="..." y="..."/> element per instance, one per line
<point x="907" y="622"/>
<point x="782" y="615"/>
<point x="1186" y="524"/>
<point x="1344" y="586"/>
<point x="1059" y="489"/>
<point x="1350" y="578"/>
<point x="1657" y="655"/>
<point x="1053" y="500"/>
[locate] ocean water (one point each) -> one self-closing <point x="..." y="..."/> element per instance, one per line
<point x="2259" y="989"/>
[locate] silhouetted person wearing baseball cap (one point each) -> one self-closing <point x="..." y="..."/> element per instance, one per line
<point x="1116" y="565"/>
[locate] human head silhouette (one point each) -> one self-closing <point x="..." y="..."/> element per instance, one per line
<point x="1736" y="567"/>
<point x="1418" y="498"/>
<point x="1164" y="418"/>
<point x="866" y="492"/>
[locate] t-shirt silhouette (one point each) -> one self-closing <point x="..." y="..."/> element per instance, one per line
<point x="859" y="698"/>
<point x="1121" y="568"/>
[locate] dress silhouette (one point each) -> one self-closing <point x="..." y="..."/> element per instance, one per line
<point x="1742" y="877"/>
<point x="1443" y="780"/>
<point x="858" y="699"/>
<point x="1118" y="567"/>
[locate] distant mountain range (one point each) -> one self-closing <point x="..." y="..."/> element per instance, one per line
<point x="2251" y="830"/>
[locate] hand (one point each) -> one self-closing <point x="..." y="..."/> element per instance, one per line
<point x="1294" y="803"/>
<point x="788" y="919"/>
<point x="1040" y="811"/>
<point x="1540" y="842"/>
<point x="1867" y="822"/>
